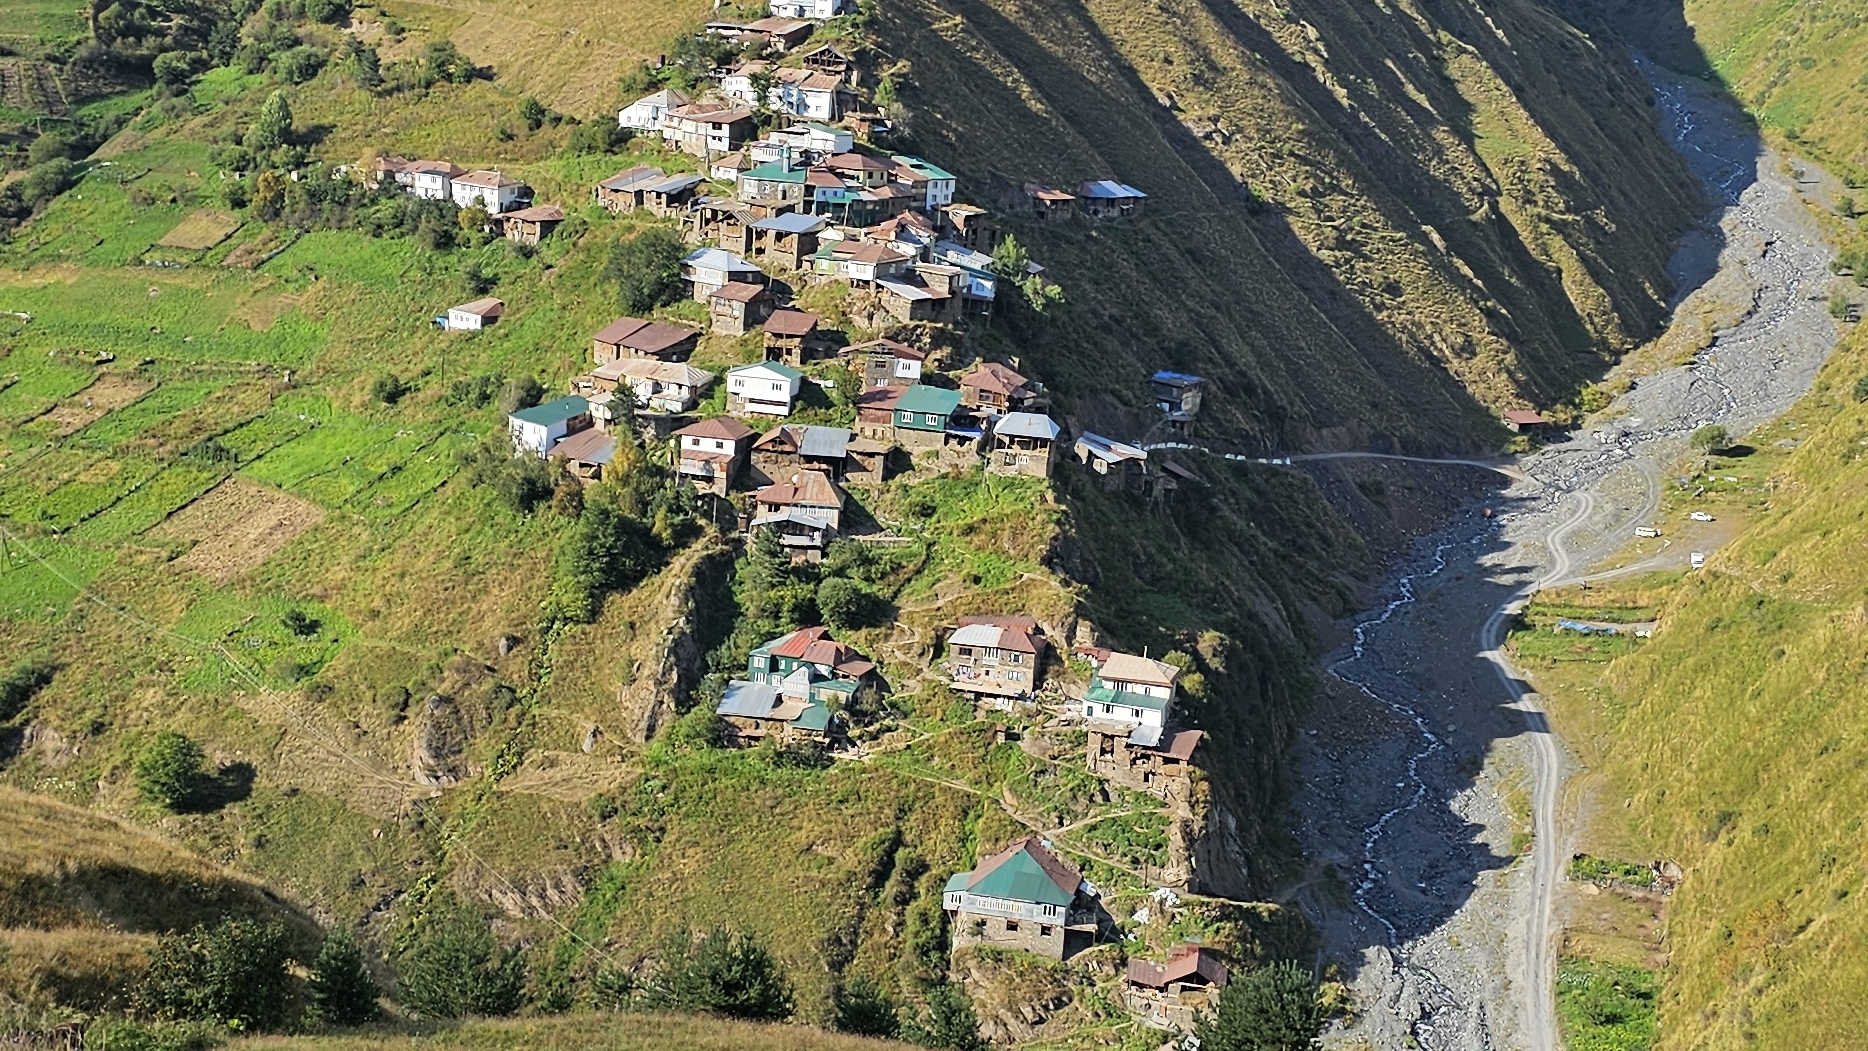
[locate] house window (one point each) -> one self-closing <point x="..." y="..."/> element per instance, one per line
<point x="965" y="651"/>
<point x="933" y="418"/>
<point x="1044" y="930"/>
<point x="1011" y="926"/>
<point x="1015" y="676"/>
<point x="1109" y="709"/>
<point x="719" y="445"/>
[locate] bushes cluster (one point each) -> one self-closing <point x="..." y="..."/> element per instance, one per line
<point x="719" y="972"/>
<point x="455" y="967"/>
<point x="232" y="974"/>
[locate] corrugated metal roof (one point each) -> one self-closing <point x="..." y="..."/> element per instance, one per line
<point x="555" y="411"/>
<point x="827" y="442"/>
<point x="1027" y="425"/>
<point x="791" y="222"/>
<point x="923" y="398"/>
<point x="751" y="700"/>
<point x="1026" y="872"/>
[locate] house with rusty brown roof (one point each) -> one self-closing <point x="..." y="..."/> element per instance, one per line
<point x="738" y="307"/>
<point x="631" y="337"/>
<point x="791" y="336"/>
<point x="995" y="388"/>
<point x="706" y="128"/>
<point x="996" y="658"/>
<point x="886" y="363"/>
<point x="529" y="226"/>
<point x="1177" y="994"/>
<point x="709" y="453"/>
<point x="789" y="448"/>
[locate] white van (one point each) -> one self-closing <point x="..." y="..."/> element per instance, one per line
<point x="1699" y="560"/>
<point x="1646" y="531"/>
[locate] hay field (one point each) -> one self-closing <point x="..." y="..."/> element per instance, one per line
<point x="236" y="526"/>
<point x="202" y="230"/>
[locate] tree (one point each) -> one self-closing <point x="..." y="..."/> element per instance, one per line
<point x="1012" y="263"/>
<point x="273" y="128"/>
<point x="847" y="604"/>
<point x="1711" y="438"/>
<point x="532" y="113"/>
<point x="646" y="269"/>
<point x="341" y="989"/>
<point x="232" y="974"/>
<point x="442" y="61"/>
<point x="1275" y="1008"/>
<point x="864" y="1009"/>
<point x="367" y="65"/>
<point x="948" y="1022"/>
<point x="388" y="388"/>
<point x="300" y="624"/>
<point x="168" y="772"/>
<point x="455" y="967"/>
<point x="606" y="551"/>
<point x="520" y="392"/>
<point x="298" y="64"/>
<point x="723" y="974"/>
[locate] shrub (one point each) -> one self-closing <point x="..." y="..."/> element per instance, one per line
<point x="532" y="113"/>
<point x="388" y="388"/>
<point x="299" y="64"/>
<point x="723" y="974"/>
<point x="300" y="624"/>
<point x="847" y="604"/>
<point x="22" y="684"/>
<point x="646" y="270"/>
<point x="522" y="392"/>
<point x="948" y="1022"/>
<point x="521" y="482"/>
<point x="1861" y="389"/>
<point x="475" y="392"/>
<point x="455" y="967"/>
<point x="442" y="62"/>
<point x="168" y="772"/>
<point x="863" y="1008"/>
<point x="342" y="991"/>
<point x="1275" y="1008"/>
<point x="1711" y="438"/>
<point x="232" y="974"/>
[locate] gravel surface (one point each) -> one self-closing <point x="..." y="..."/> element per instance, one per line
<point x="1426" y="763"/>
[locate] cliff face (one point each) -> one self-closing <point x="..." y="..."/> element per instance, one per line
<point x="1368" y="223"/>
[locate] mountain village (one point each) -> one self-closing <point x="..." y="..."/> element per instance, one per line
<point x="808" y="203"/>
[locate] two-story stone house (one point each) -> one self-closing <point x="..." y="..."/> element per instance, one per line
<point x="1024" y="897"/>
<point x="709" y="453"/>
<point x="996" y="657"/>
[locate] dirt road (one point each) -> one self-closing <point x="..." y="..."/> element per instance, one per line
<point x="1429" y="796"/>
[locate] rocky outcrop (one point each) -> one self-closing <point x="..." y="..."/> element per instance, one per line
<point x="661" y="684"/>
<point x="440" y="743"/>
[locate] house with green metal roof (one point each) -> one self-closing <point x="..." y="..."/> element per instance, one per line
<point x="777" y="182"/>
<point x="1024" y="897"/>
<point x="922" y="416"/>
<point x="535" y="430"/>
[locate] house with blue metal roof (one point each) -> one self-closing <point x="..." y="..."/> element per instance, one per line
<point x="1108" y="199"/>
<point x="1024" y="897"/>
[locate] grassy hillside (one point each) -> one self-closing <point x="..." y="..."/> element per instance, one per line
<point x="1732" y="741"/>
<point x="617" y="1033"/>
<point x="1368" y="227"/>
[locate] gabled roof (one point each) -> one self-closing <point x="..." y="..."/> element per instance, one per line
<point x="671" y="372"/>
<point x="667" y="98"/>
<point x="740" y="292"/>
<point x="994" y="377"/>
<point x="630" y="177"/>
<point x="791" y="323"/>
<point x="1177" y="379"/>
<point x="922" y="398"/>
<point x="1109" y="190"/>
<point x="878" y="405"/>
<point x="540" y="213"/>
<point x="1108" y="449"/>
<point x="724" y="428"/>
<point x="711" y="113"/>
<point x="648" y="337"/>
<point x="1041" y="192"/>
<point x="809" y="80"/>
<point x="589" y="446"/>
<point x="900" y="350"/>
<point x="773" y="171"/>
<point x="923" y="167"/>
<point x="557" y="410"/>
<point x="1523" y="417"/>
<point x="1185" y="962"/>
<point x="1026" y="871"/>
<point x="1180" y="744"/>
<point x="1027" y="425"/>
<point x="672" y="183"/>
<point x="869" y="252"/>
<point x="792" y="222"/>
<point x="806" y="489"/>
<point x="994" y="636"/>
<point x="856" y="162"/>
<point x="1127" y="667"/>
<point x="719" y="259"/>
<point x="777" y="26"/>
<point x="447" y="168"/>
<point x="488" y="307"/>
<point x="487" y="177"/>
<point x="776" y="368"/>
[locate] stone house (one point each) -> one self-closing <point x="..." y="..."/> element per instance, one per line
<point x="811" y="490"/>
<point x="1024" y="897"/>
<point x="1163" y="769"/>
<point x="586" y="454"/>
<point x="708" y="269"/>
<point x="1116" y="465"/>
<point x="875" y="413"/>
<point x="789" y="448"/>
<point x="791" y="337"/>
<point x="720" y="221"/>
<point x="622" y="192"/>
<point x="670" y="193"/>
<point x="867" y="460"/>
<point x="1046" y="203"/>
<point x="529" y="226"/>
<point x="1023" y="443"/>
<point x="1177" y="994"/>
<point x="922" y="416"/>
<point x="1177" y="395"/>
<point x="709" y="453"/>
<point x="886" y="363"/>
<point x="630" y="337"/>
<point x="738" y="307"/>
<point x="787" y="240"/>
<point x="662" y="386"/>
<point x="706" y="128"/>
<point x="799" y="686"/>
<point x="996" y="658"/>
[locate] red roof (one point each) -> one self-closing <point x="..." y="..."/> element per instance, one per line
<point x="868" y="252"/>
<point x="1193" y="964"/>
<point x="1523" y="417"/>
<point x="1179" y="744"/>
<point x="900" y="350"/>
<point x="739" y="291"/>
<point x="806" y="489"/>
<point x="648" y="337"/>
<point x="615" y="331"/>
<point x="724" y="427"/>
<point x="542" y="213"/>
<point x="1024" y="622"/>
<point x="878" y="406"/>
<point x="791" y="323"/>
<point x="992" y="376"/>
<point x="856" y="162"/>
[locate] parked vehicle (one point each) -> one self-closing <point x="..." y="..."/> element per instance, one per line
<point x="1699" y="516"/>
<point x="1699" y="560"/>
<point x="1646" y="531"/>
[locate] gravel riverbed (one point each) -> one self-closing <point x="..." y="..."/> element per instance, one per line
<point x="1418" y="775"/>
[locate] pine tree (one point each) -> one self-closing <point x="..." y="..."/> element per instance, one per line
<point x="1274" y="1008"/>
<point x="342" y="991"/>
<point x="273" y="129"/>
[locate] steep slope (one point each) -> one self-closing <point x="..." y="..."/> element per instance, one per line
<point x="1732" y="743"/>
<point x="1460" y="212"/>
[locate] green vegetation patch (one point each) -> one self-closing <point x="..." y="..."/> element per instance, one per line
<point x="1606" y="1006"/>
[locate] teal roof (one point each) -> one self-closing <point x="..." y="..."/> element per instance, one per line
<point x="556" y="411"/>
<point x="922" y="166"/>
<point x="816" y="716"/>
<point x="956" y="882"/>
<point x="1021" y="878"/>
<point x="773" y="171"/>
<point x="1103" y="694"/>
<point x="923" y="398"/>
<point x="771" y="366"/>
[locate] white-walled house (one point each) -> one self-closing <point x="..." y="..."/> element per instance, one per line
<point x="433" y="180"/>
<point x="537" y="429"/>
<point x="474" y="316"/>
<point x="493" y="191"/>
<point x="940" y="183"/>
<point x="708" y="270"/>
<point x="645" y="114"/>
<point x="1132" y="691"/>
<point x="768" y="388"/>
<point x="815" y="10"/>
<point x="815" y="138"/>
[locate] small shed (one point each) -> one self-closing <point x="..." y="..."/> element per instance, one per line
<point x="1108" y="199"/>
<point x="738" y="307"/>
<point x="791" y="337"/>
<point x="586" y="453"/>
<point x="474" y="316"/>
<point x="1046" y="203"/>
<point x="529" y="226"/>
<point x="1524" y="421"/>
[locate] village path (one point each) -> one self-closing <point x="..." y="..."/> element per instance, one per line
<point x="1428" y="767"/>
